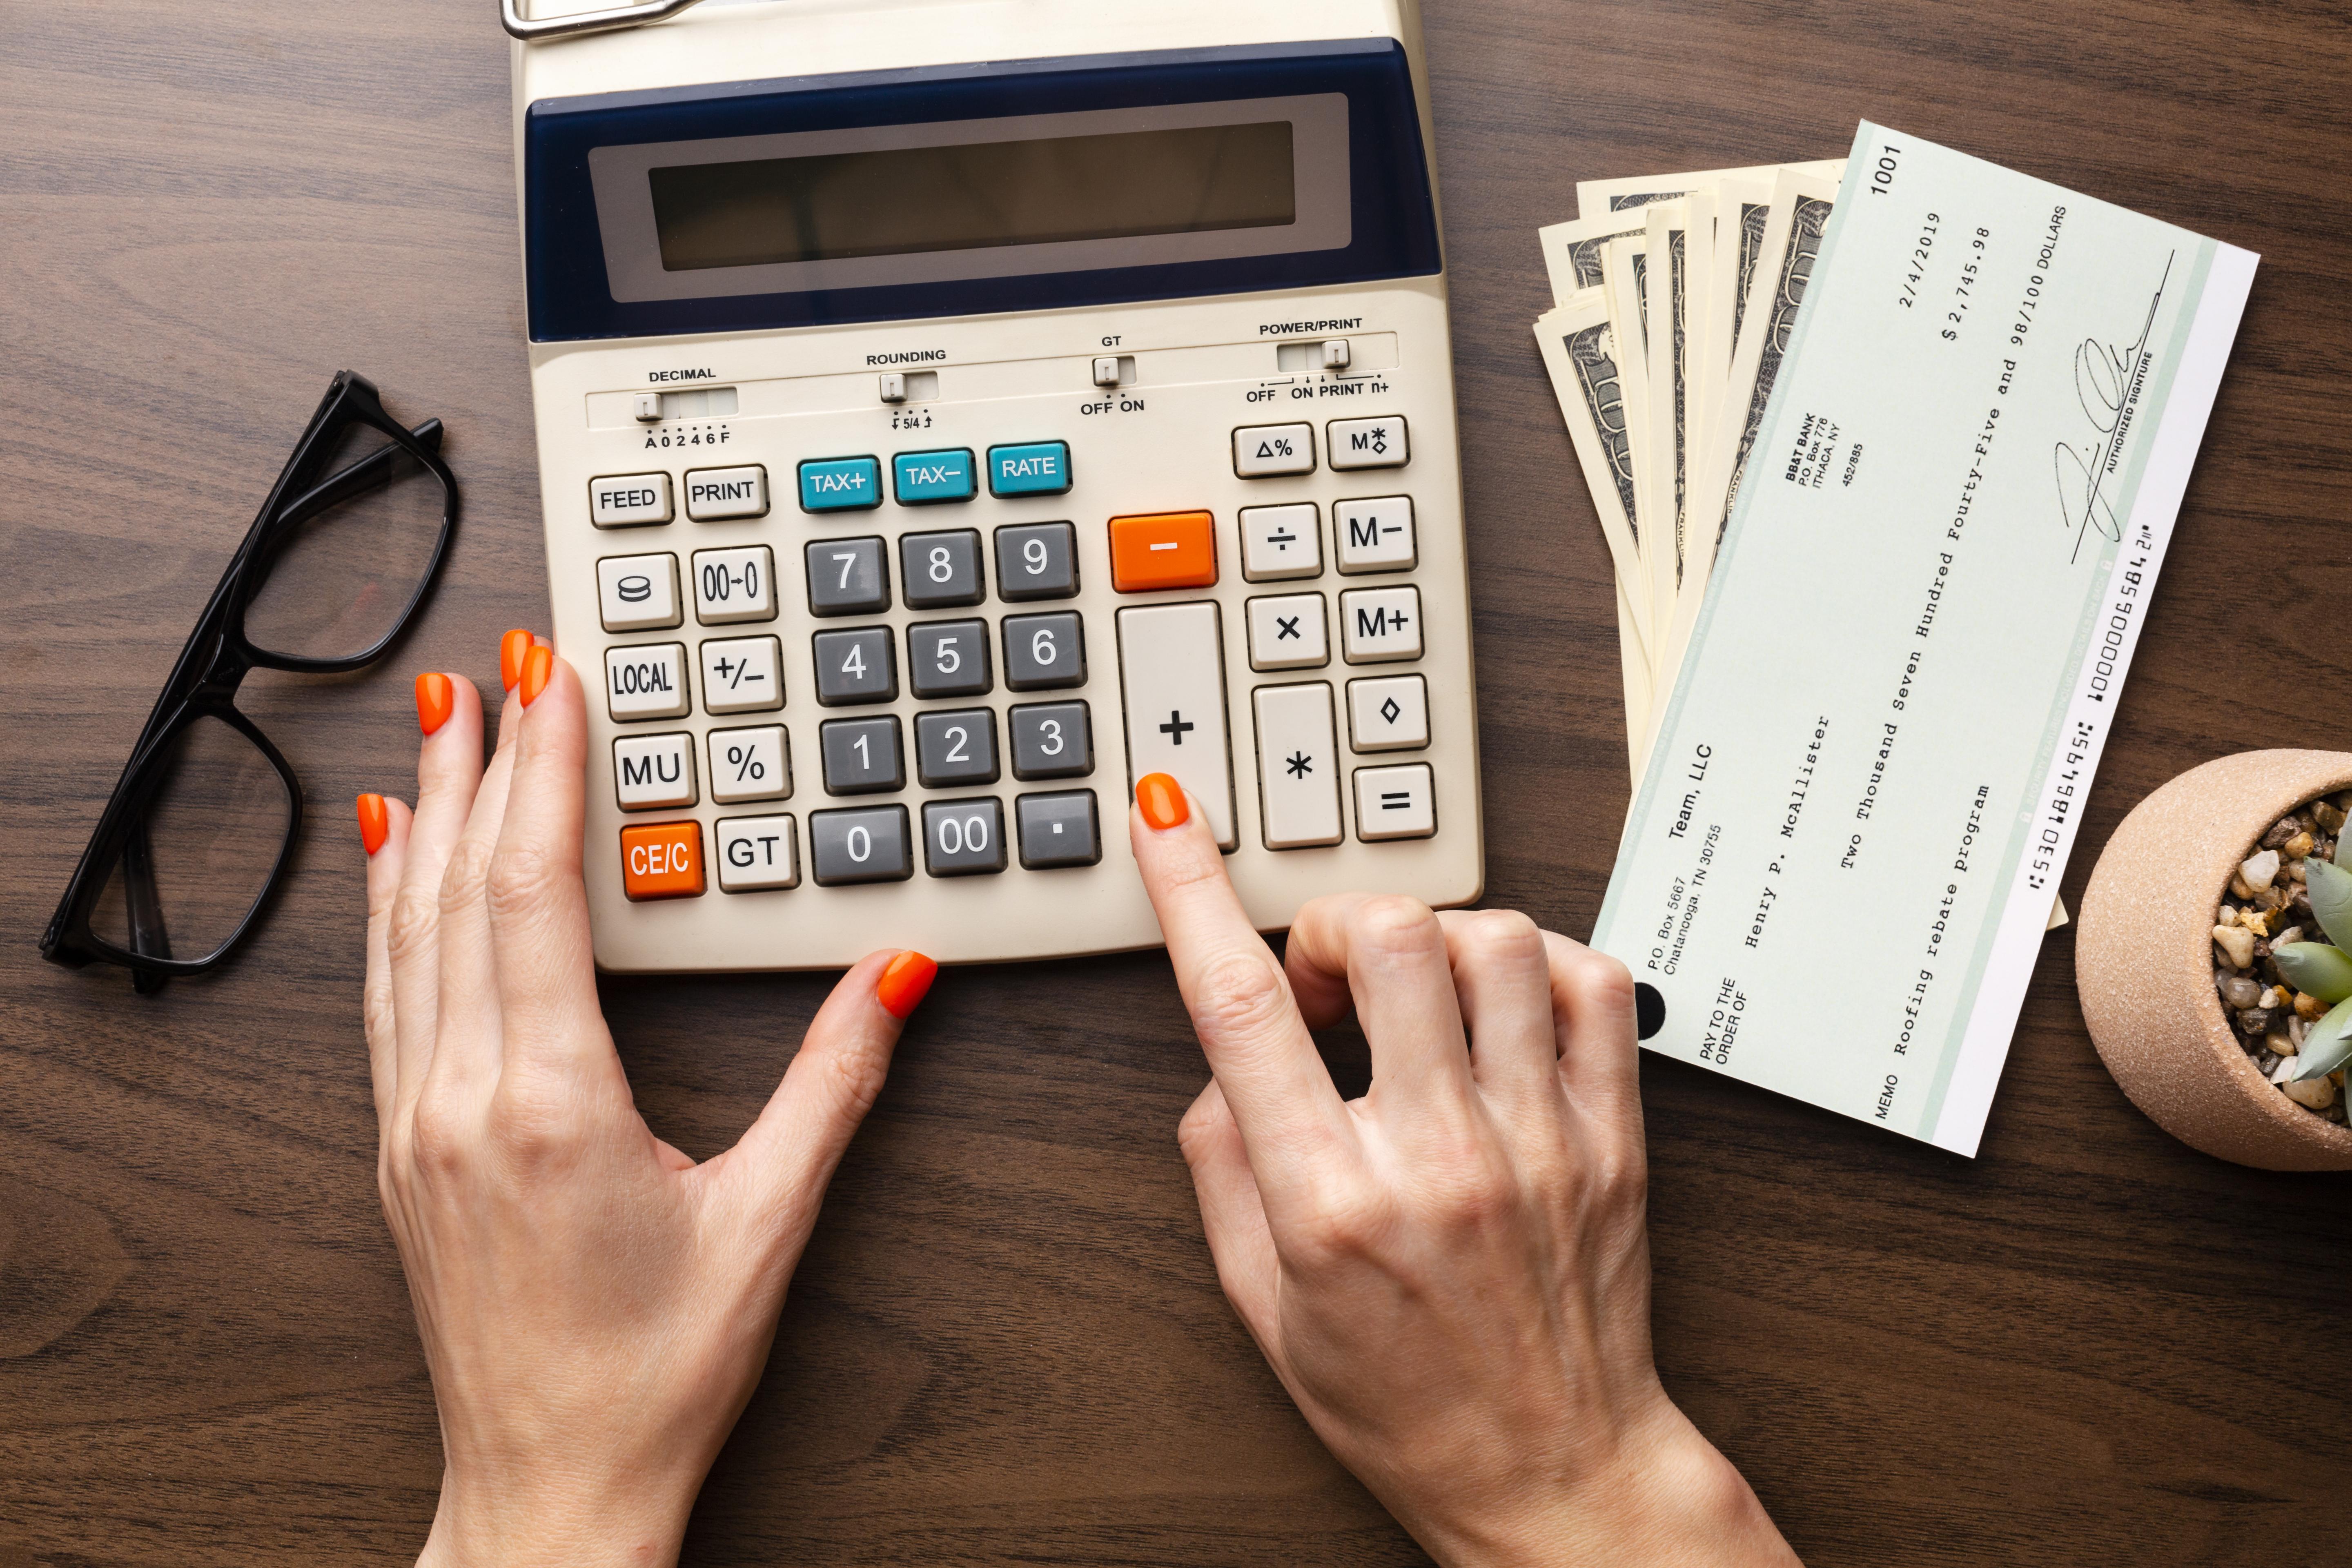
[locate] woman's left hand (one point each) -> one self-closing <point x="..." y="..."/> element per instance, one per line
<point x="595" y="1307"/>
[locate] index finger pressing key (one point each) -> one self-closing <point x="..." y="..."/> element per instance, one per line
<point x="1250" y="1028"/>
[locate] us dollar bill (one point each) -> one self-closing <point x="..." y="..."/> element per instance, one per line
<point x="1582" y="356"/>
<point x="1572" y="250"/>
<point x="1595" y="196"/>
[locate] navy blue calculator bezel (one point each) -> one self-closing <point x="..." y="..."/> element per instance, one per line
<point x="1393" y="224"/>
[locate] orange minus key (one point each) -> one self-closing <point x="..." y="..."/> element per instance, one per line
<point x="1163" y="550"/>
<point x="662" y="860"/>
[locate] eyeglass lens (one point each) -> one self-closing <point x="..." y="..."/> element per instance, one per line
<point x="337" y="587"/>
<point x="212" y="828"/>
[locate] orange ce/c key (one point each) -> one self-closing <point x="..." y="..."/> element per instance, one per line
<point x="1163" y="550"/>
<point x="662" y="860"/>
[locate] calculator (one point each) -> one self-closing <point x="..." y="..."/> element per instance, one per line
<point x="948" y="413"/>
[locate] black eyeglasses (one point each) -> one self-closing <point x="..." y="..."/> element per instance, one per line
<point x="203" y="822"/>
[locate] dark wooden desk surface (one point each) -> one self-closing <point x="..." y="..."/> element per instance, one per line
<point x="1006" y="1345"/>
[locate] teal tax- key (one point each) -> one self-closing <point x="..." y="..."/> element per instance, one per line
<point x="1038" y="468"/>
<point x="923" y="478"/>
<point x="840" y="484"/>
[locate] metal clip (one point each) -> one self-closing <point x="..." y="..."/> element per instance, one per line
<point x="607" y="21"/>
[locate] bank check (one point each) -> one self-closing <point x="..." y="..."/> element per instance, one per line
<point x="1861" y="796"/>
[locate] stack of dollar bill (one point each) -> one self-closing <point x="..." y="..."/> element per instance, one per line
<point x="1674" y="296"/>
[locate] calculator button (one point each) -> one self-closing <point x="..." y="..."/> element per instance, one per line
<point x="647" y="682"/>
<point x="651" y="771"/>
<point x="1163" y="550"/>
<point x="753" y="763"/>
<point x="638" y="592"/>
<point x="841" y="484"/>
<point x="921" y="479"/>
<point x="1287" y="632"/>
<point x="1374" y="535"/>
<point x="1379" y="624"/>
<point x="1173" y="674"/>
<point x="867" y="845"/>
<point x="1262" y="451"/>
<point x="848" y="577"/>
<point x="859" y="666"/>
<point x="734" y="585"/>
<point x="741" y="675"/>
<point x="949" y="659"/>
<point x="938" y="570"/>
<point x="756" y="853"/>
<point x="1044" y="651"/>
<point x="862" y="756"/>
<point x="1280" y="541"/>
<point x="963" y="838"/>
<point x="1037" y="468"/>
<point x="713" y="495"/>
<point x="956" y="748"/>
<point x="662" y="860"/>
<point x="628" y="501"/>
<point x="1052" y="740"/>
<point x="1389" y="715"/>
<point x="1395" y="802"/>
<point x="1037" y="561"/>
<point x="1058" y="830"/>
<point x="1367" y="443"/>
<point x="1298" y="765"/>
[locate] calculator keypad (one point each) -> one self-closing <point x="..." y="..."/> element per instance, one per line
<point x="1179" y="714"/>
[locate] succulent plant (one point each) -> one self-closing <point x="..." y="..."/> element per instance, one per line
<point x="2324" y="968"/>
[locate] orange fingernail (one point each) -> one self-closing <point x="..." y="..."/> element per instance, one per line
<point x="437" y="698"/>
<point x="537" y="665"/>
<point x="375" y="823"/>
<point x="513" y="649"/>
<point x="1162" y="800"/>
<point x="905" y="982"/>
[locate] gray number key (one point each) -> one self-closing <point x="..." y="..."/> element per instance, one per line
<point x="862" y="756"/>
<point x="963" y="838"/>
<point x="949" y="659"/>
<point x="1037" y="561"/>
<point x="957" y="747"/>
<point x="846" y="577"/>
<point x="867" y="845"/>
<point x="859" y="666"/>
<point x="1052" y="740"/>
<point x="940" y="569"/>
<point x="1057" y="830"/>
<point x="1043" y="651"/>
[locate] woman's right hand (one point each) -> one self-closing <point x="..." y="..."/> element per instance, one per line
<point x="1451" y="1274"/>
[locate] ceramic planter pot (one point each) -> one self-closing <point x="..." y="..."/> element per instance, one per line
<point x="2144" y="961"/>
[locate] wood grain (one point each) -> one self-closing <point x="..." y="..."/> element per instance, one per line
<point x="2088" y="1345"/>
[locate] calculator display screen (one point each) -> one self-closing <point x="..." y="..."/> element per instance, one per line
<point x="972" y="195"/>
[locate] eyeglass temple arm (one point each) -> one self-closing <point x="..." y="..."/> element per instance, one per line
<point x="370" y="472"/>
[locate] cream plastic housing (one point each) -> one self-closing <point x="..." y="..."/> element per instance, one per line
<point x="1159" y="441"/>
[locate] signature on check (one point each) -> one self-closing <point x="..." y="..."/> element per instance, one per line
<point x="2108" y="383"/>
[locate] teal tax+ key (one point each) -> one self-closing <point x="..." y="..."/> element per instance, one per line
<point x="1038" y="468"/>
<point x="923" y="478"/>
<point x="841" y="484"/>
